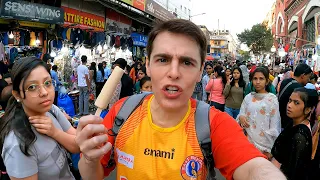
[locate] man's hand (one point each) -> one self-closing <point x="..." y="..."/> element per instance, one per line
<point x="43" y="125"/>
<point x="244" y="122"/>
<point x="258" y="168"/>
<point x="91" y="136"/>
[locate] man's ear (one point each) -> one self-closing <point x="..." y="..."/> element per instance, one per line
<point x="147" y="66"/>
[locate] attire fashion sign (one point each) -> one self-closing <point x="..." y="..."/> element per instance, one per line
<point x="83" y="20"/>
<point x="23" y="10"/>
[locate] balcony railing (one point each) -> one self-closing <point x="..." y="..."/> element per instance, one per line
<point x="219" y="47"/>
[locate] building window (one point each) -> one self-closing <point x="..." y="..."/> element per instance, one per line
<point x="189" y="12"/>
<point x="181" y="7"/>
<point x="175" y="10"/>
<point x="310" y="26"/>
<point x="185" y="9"/>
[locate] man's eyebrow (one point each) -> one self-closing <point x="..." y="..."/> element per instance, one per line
<point x="187" y="58"/>
<point x="163" y="55"/>
<point x="181" y="58"/>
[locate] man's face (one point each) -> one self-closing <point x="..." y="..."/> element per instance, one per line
<point x="305" y="78"/>
<point x="174" y="67"/>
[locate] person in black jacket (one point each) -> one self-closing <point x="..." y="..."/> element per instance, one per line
<point x="126" y="81"/>
<point x="301" y="77"/>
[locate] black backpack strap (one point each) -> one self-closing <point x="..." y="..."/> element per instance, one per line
<point x="127" y="108"/>
<point x="285" y="88"/>
<point x="202" y="122"/>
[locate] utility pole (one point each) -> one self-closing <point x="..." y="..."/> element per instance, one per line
<point x="218" y="27"/>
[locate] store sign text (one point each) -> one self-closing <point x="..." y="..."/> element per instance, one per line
<point x="82" y="18"/>
<point x="23" y="10"/>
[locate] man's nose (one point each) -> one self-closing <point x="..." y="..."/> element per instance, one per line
<point x="174" y="71"/>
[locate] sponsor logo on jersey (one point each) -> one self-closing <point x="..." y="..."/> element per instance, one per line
<point x="123" y="178"/>
<point x="191" y="168"/>
<point x="125" y="159"/>
<point x="159" y="153"/>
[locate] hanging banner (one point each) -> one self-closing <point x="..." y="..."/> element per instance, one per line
<point x="23" y="10"/>
<point x="158" y="11"/>
<point x="139" y="4"/>
<point x="139" y="39"/>
<point x="317" y="26"/>
<point x="83" y="20"/>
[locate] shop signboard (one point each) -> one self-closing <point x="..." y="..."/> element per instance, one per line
<point x="139" y="4"/>
<point x="23" y="10"/>
<point x="158" y="11"/>
<point x="83" y="20"/>
<point x="130" y="2"/>
<point x="139" y="39"/>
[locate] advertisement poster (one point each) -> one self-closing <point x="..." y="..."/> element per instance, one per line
<point x="158" y="11"/>
<point x="83" y="20"/>
<point x="139" y="4"/>
<point x="23" y="10"/>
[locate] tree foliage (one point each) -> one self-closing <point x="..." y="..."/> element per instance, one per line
<point x="259" y="39"/>
<point x="245" y="55"/>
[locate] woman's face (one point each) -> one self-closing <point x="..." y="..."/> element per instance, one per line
<point x="139" y="66"/>
<point x="209" y="69"/>
<point x="259" y="82"/>
<point x="147" y="86"/>
<point x="141" y="74"/>
<point x="228" y="72"/>
<point x="236" y="74"/>
<point x="295" y="106"/>
<point x="39" y="92"/>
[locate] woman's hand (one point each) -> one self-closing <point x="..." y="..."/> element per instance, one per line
<point x="244" y="122"/>
<point x="43" y="125"/>
<point x="212" y="76"/>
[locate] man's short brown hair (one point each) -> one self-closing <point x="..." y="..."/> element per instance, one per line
<point x="180" y="26"/>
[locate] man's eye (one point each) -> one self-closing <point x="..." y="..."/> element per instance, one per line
<point x="188" y="63"/>
<point x="32" y="87"/>
<point x="162" y="60"/>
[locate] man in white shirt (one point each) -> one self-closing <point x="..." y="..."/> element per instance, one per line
<point x="84" y="87"/>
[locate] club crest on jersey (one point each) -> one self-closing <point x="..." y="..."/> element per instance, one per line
<point x="191" y="168"/>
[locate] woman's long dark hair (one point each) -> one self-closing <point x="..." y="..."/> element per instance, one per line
<point x="100" y="68"/>
<point x="93" y="67"/>
<point x="241" y="82"/>
<point x="221" y="73"/>
<point x="15" y="119"/>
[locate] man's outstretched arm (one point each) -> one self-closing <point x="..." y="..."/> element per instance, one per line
<point x="258" y="168"/>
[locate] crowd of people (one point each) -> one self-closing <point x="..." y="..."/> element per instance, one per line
<point x="261" y="125"/>
<point x="278" y="112"/>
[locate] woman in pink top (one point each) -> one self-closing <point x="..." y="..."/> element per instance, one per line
<point x="215" y="86"/>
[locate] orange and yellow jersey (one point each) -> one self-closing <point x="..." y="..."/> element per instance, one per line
<point x="144" y="150"/>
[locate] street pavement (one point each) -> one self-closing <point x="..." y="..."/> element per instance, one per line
<point x="113" y="176"/>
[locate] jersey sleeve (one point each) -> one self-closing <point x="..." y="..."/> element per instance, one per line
<point x="108" y="123"/>
<point x="230" y="146"/>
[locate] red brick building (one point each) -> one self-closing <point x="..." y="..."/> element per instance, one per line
<point x="296" y="22"/>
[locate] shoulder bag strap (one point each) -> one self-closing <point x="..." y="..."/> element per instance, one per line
<point x="202" y="123"/>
